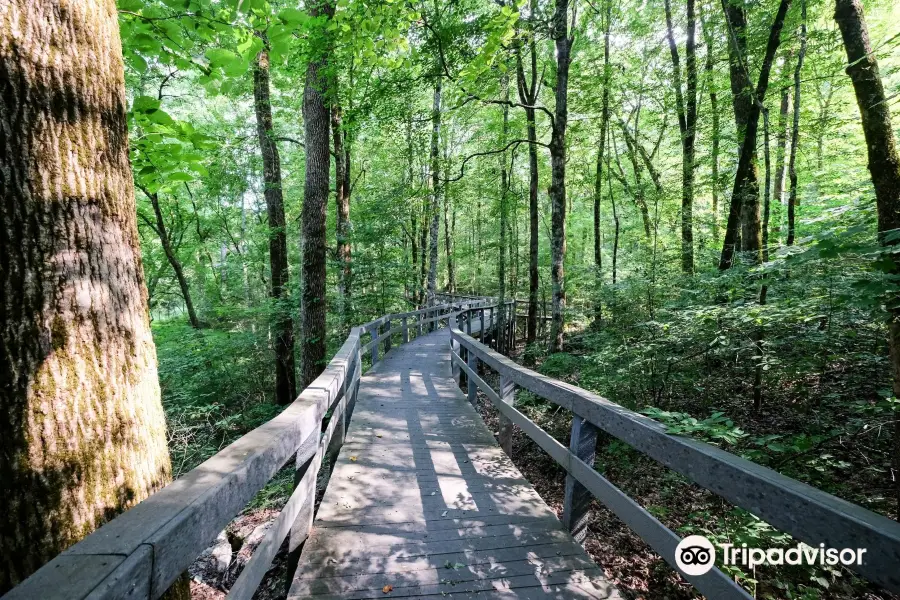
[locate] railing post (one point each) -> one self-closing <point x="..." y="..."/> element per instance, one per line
<point x="577" y="503"/>
<point x="472" y="362"/>
<point x="481" y="324"/>
<point x="405" y="330"/>
<point x="507" y="395"/>
<point x="375" y="334"/>
<point x="387" y="340"/>
<point x="454" y="347"/>
<point x="419" y="318"/>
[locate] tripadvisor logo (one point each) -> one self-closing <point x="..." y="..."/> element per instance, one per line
<point x="696" y="555"/>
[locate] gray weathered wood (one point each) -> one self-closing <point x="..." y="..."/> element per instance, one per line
<point x="577" y="502"/>
<point x="507" y="395"/>
<point x="405" y="329"/>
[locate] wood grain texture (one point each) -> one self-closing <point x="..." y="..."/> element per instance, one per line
<point x="421" y="484"/>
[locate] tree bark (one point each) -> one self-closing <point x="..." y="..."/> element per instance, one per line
<point x="781" y="134"/>
<point x="598" y="179"/>
<point x="82" y="429"/>
<point x="342" y="224"/>
<point x="709" y="67"/>
<point x="687" y="124"/>
<point x="884" y="165"/>
<point x="528" y="96"/>
<point x="746" y="186"/>
<point x="316" y="125"/>
<point x="449" y="221"/>
<point x="434" y="209"/>
<point x="563" y="45"/>
<point x="283" y="325"/>
<point x="504" y="213"/>
<point x="795" y="135"/>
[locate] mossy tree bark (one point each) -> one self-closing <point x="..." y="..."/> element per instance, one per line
<point x="82" y="430"/>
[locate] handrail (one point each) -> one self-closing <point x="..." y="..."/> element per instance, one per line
<point x="141" y="552"/>
<point x="807" y="513"/>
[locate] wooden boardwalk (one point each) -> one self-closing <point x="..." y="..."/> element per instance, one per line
<point x="423" y="503"/>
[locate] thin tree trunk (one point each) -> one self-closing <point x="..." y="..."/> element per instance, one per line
<point x="434" y="209"/>
<point x="598" y="180"/>
<point x="714" y="110"/>
<point x="342" y="224"/>
<point x="316" y="125"/>
<point x="166" y="241"/>
<point x="612" y="199"/>
<point x="795" y="135"/>
<point x="781" y="134"/>
<point x="449" y="228"/>
<point x="528" y="95"/>
<point x="82" y="428"/>
<point x="884" y="163"/>
<point x="504" y="213"/>
<point x="558" y="180"/>
<point x="746" y="186"/>
<point x="285" y="375"/>
<point x="687" y="124"/>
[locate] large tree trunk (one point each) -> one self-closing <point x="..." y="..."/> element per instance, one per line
<point x="342" y="224"/>
<point x="558" y="175"/>
<point x="82" y="430"/>
<point x="527" y="96"/>
<point x="598" y="177"/>
<point x="795" y="137"/>
<point x="316" y="125"/>
<point x="285" y="375"/>
<point x="884" y="163"/>
<point x="745" y="193"/>
<point x="687" y="124"/>
<point x="434" y="209"/>
<point x="172" y="256"/>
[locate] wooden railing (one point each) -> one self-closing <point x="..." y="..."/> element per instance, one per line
<point x="808" y="514"/>
<point x="140" y="553"/>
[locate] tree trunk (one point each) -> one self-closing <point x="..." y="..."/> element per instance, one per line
<point x="745" y="192"/>
<point x="687" y="124"/>
<point x="342" y="224"/>
<point x="781" y="135"/>
<point x="504" y="213"/>
<point x="558" y="178"/>
<point x="82" y="429"/>
<point x="795" y="135"/>
<point x="527" y="96"/>
<point x="172" y="257"/>
<point x="434" y="210"/>
<point x="316" y="125"/>
<point x="598" y="180"/>
<point x="714" y="111"/>
<point x="449" y="221"/>
<point x="285" y="375"/>
<point x="884" y="164"/>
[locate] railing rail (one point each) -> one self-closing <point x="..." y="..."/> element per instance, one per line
<point x="807" y="513"/>
<point x="141" y="553"/>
